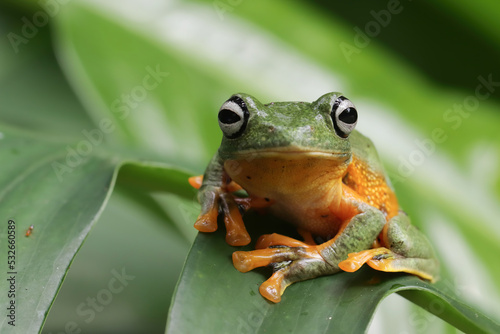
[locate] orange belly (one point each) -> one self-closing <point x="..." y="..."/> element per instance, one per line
<point x="303" y="189"/>
<point x="308" y="190"/>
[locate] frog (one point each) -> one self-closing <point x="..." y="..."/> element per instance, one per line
<point x="306" y="164"/>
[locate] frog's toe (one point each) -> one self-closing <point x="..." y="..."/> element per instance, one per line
<point x="236" y="233"/>
<point x="269" y="240"/>
<point x="273" y="288"/>
<point x="246" y="261"/>
<point x="196" y="181"/>
<point x="237" y="237"/>
<point x="355" y="261"/>
<point x="352" y="264"/>
<point x="207" y="222"/>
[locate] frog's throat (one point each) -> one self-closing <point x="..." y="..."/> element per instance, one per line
<point x="276" y="175"/>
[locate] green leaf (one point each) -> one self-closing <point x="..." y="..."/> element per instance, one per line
<point x="57" y="179"/>
<point x="61" y="210"/>
<point x="445" y="306"/>
<point x="156" y="177"/>
<point x="131" y="238"/>
<point x="61" y="194"/>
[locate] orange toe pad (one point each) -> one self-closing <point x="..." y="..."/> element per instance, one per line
<point x="354" y="261"/>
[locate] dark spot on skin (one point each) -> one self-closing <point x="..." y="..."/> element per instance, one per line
<point x="324" y="216"/>
<point x="248" y="177"/>
<point x="267" y="199"/>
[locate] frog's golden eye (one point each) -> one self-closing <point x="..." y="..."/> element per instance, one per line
<point x="344" y="116"/>
<point x="233" y="117"/>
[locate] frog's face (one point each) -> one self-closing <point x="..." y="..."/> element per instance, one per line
<point x="320" y="128"/>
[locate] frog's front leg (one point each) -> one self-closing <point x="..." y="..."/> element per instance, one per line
<point x="404" y="249"/>
<point x="215" y="193"/>
<point x="296" y="261"/>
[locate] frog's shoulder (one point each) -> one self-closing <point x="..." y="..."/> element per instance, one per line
<point x="364" y="151"/>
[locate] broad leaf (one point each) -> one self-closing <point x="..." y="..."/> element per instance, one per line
<point x="61" y="210"/>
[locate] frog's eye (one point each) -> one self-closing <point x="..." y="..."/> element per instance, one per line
<point x="344" y="116"/>
<point x="233" y="117"/>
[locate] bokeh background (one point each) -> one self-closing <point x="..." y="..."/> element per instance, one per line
<point x="423" y="75"/>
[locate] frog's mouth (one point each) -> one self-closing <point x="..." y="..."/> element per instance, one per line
<point x="290" y="154"/>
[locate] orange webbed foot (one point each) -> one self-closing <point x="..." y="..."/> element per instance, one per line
<point x="215" y="198"/>
<point x="292" y="260"/>
<point x="383" y="259"/>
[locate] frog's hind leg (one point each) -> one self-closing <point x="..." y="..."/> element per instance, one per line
<point x="406" y="250"/>
<point x="293" y="260"/>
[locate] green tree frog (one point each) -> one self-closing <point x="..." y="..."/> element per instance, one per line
<point x="305" y="163"/>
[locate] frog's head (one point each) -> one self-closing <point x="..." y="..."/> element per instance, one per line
<point x="318" y="129"/>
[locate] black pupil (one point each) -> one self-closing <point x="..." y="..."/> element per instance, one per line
<point x="349" y="116"/>
<point x="228" y="117"/>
